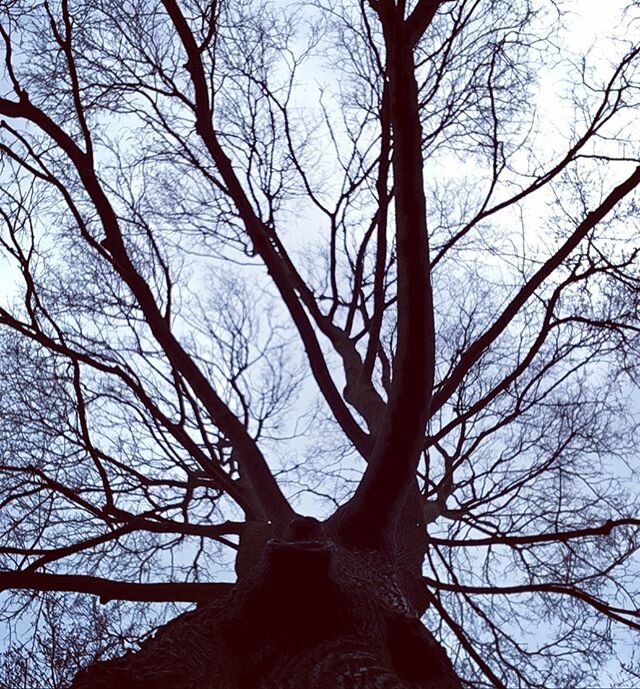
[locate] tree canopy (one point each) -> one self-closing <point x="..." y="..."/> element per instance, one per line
<point x="376" y="262"/>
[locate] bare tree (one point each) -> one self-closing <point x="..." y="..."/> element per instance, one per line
<point x="267" y="259"/>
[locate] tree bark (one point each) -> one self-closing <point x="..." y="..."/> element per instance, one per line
<point x="312" y="614"/>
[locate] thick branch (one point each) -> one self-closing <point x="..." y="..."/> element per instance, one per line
<point x="371" y="513"/>
<point x="114" y="590"/>
<point x="614" y="613"/>
<point x="262" y="481"/>
<point x="475" y="351"/>
<point x="263" y="241"/>
<point x="421" y="18"/>
<point x="131" y="524"/>
<point x="536" y="539"/>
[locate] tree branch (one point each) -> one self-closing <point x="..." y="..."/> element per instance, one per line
<point x="257" y="471"/>
<point x="366" y="518"/>
<point x="601" y="606"/>
<point x="466" y="643"/>
<point x="475" y="350"/>
<point x="535" y="539"/>
<point x="115" y="590"/>
<point x="421" y="17"/>
<point x="264" y="242"/>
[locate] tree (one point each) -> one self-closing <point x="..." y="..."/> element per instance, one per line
<point x="403" y="298"/>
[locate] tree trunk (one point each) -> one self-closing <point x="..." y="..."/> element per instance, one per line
<point x="313" y="614"/>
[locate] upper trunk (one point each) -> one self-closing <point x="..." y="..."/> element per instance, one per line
<point x="371" y="517"/>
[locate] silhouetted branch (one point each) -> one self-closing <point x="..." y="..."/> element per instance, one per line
<point x="108" y="589"/>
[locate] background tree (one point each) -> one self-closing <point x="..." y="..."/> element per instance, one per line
<point x="375" y="262"/>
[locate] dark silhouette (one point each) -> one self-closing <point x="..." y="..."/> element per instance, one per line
<point x="244" y="291"/>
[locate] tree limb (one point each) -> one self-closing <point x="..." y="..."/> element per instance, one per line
<point x="477" y="348"/>
<point x="115" y="590"/>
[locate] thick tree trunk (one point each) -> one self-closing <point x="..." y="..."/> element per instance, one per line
<point x="312" y="614"/>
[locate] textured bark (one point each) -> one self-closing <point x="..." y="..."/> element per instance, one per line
<point x="313" y="614"/>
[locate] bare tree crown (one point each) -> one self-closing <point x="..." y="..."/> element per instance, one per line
<point x="264" y="259"/>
